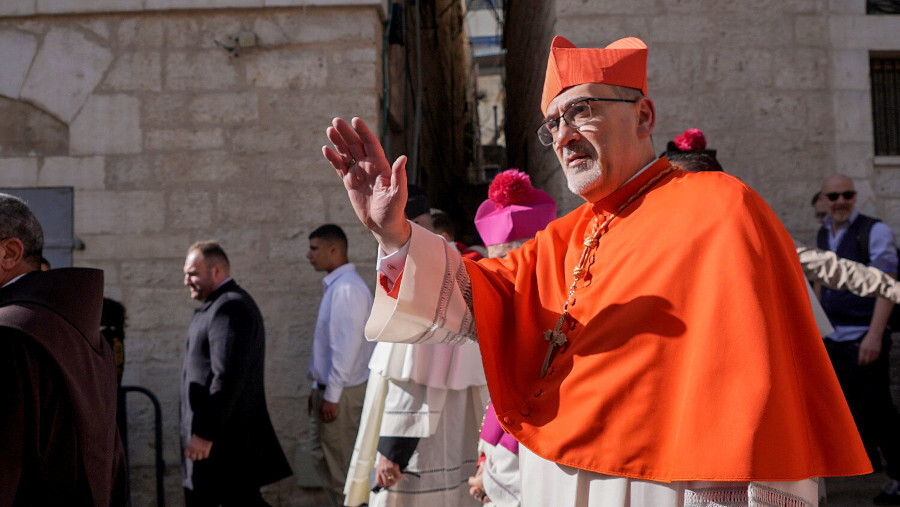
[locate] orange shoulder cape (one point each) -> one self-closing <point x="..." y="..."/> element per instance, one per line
<point x="694" y="354"/>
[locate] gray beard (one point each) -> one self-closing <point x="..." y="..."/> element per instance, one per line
<point x="578" y="183"/>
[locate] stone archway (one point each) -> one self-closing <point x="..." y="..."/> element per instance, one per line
<point x="28" y="131"/>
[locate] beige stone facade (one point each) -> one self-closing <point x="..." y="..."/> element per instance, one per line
<point x="168" y="138"/>
<point x="180" y="120"/>
<point x="780" y="88"/>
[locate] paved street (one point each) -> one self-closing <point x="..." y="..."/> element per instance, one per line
<point x="853" y="491"/>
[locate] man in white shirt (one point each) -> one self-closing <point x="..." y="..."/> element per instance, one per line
<point x="340" y="357"/>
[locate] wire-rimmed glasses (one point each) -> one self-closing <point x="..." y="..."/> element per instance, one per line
<point x="575" y="116"/>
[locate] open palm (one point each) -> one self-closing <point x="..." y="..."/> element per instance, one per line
<point x="377" y="189"/>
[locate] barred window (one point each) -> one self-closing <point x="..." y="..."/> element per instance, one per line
<point x="885" y="76"/>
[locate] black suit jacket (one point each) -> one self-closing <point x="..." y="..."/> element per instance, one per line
<point x="223" y="397"/>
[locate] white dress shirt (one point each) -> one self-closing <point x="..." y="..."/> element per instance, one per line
<point x="341" y="353"/>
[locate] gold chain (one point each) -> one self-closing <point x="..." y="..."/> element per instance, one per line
<point x="591" y="242"/>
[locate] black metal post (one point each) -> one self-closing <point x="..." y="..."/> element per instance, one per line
<point x="160" y="463"/>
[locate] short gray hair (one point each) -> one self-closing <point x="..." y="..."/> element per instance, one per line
<point x="623" y="92"/>
<point x="17" y="221"/>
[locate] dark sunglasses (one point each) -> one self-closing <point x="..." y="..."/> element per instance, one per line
<point x="847" y="194"/>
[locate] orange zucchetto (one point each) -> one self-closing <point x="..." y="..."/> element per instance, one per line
<point x="622" y="63"/>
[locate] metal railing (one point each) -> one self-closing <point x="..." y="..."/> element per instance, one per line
<point x="160" y="462"/>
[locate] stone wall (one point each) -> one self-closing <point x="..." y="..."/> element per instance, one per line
<point x="781" y="89"/>
<point x="168" y="138"/>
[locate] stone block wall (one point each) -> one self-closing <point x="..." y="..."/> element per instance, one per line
<point x="781" y="90"/>
<point x="168" y="138"/>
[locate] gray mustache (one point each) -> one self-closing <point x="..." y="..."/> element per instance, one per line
<point x="575" y="150"/>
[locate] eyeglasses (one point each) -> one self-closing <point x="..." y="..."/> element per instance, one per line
<point x="575" y="116"/>
<point x="847" y="195"/>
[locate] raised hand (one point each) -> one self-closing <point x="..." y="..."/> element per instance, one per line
<point x="377" y="189"/>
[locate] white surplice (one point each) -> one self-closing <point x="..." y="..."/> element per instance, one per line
<point x="436" y="393"/>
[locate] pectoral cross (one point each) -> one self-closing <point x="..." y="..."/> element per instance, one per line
<point x="556" y="338"/>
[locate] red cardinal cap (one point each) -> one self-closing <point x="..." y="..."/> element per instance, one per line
<point x="622" y="63"/>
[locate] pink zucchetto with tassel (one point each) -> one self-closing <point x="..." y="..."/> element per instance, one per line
<point x="514" y="209"/>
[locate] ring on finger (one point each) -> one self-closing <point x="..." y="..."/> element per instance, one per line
<point x="390" y="477"/>
<point x="351" y="162"/>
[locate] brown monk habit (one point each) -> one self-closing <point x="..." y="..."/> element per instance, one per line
<point x="59" y="444"/>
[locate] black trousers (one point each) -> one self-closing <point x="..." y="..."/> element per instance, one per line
<point x="213" y="487"/>
<point x="867" y="390"/>
<point x="200" y="499"/>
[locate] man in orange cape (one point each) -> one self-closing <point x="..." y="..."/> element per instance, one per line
<point x="653" y="347"/>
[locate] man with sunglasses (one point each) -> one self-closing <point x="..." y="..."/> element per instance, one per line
<point x="632" y="364"/>
<point x="859" y="348"/>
